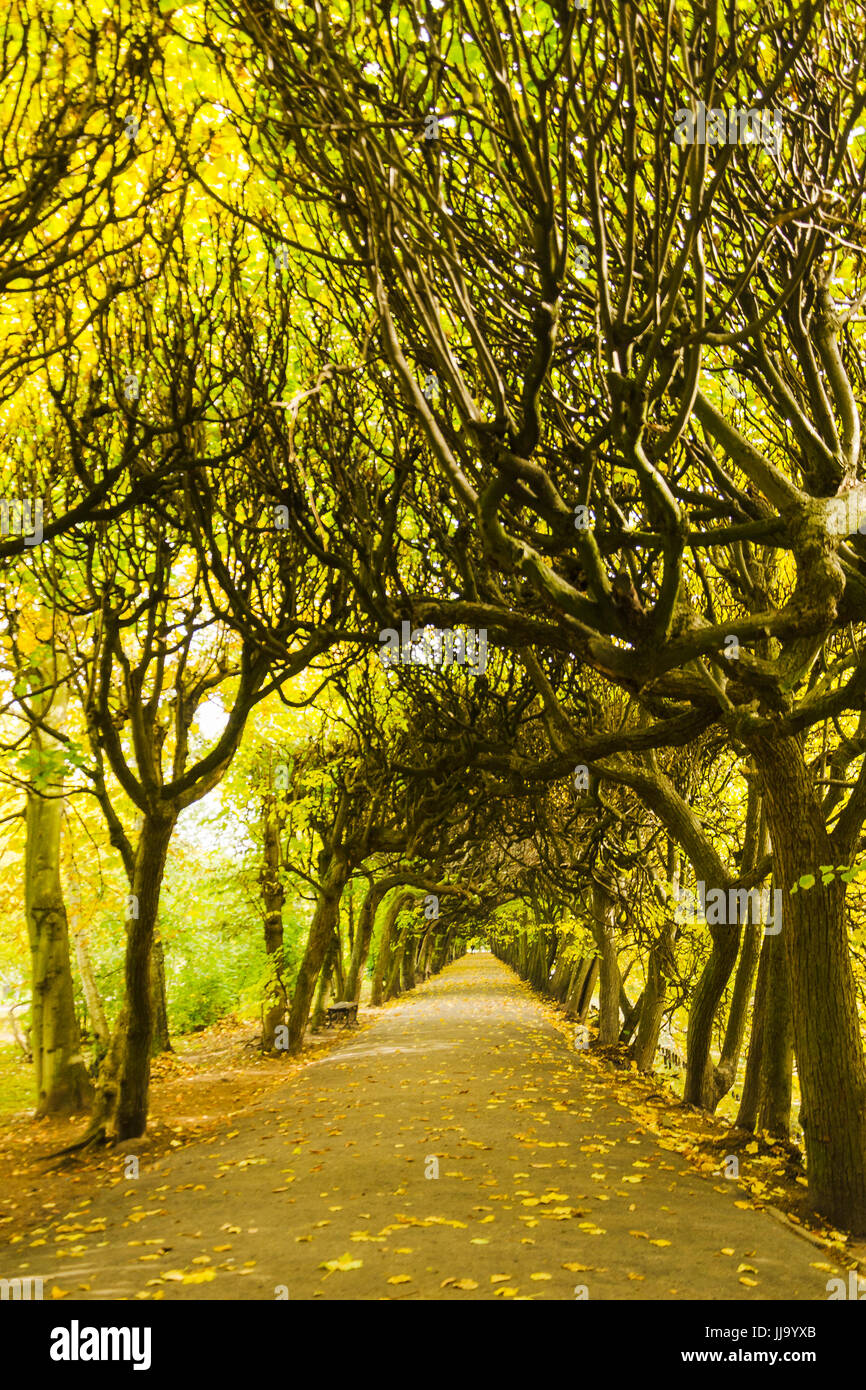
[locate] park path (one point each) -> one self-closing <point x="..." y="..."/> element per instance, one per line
<point x="548" y="1185"/>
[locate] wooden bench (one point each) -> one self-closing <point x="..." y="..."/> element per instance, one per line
<point x="344" y="1011"/>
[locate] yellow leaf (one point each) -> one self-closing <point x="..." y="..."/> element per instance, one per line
<point x="200" y="1276"/>
<point x="344" y="1262"/>
<point x="728" y="1250"/>
<point x="504" y="1293"/>
<point x="746" y="1269"/>
<point x="541" y="1276"/>
<point x="465" y="1284"/>
<point x="499" y="1278"/>
<point x="576" y="1268"/>
<point x="400" y="1279"/>
<point x="659" y="1242"/>
<point x="60" y="1293"/>
<point x="751" y="1283"/>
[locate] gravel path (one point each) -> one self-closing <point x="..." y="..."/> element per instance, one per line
<point x="548" y="1185"/>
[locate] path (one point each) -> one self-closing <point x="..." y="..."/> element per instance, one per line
<point x="546" y="1181"/>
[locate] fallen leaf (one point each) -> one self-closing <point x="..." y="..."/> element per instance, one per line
<point x="344" y="1262"/>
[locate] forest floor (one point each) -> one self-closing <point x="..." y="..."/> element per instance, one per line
<point x="560" y="1175"/>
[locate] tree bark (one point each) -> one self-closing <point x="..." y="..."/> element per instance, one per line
<point x="827" y="1040"/>
<point x="276" y="1002"/>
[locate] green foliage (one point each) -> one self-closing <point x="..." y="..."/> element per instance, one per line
<point x="846" y="872"/>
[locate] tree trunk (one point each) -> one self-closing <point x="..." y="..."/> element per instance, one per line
<point x="407" y="963"/>
<point x="322" y="928"/>
<point x="62" y="1083"/>
<point x="575" y="987"/>
<point x="587" y="990"/>
<point x="161" y="1041"/>
<point x="747" y="1115"/>
<point x="440" y="951"/>
<point x="823" y="996"/>
<point x="562" y="968"/>
<point x="777" y="1053"/>
<point x="325" y="976"/>
<point x="398" y="948"/>
<point x="766" y="1099"/>
<point x="699" y="1087"/>
<point x="424" y="954"/>
<point x="361" y="944"/>
<point x="124" y="1080"/>
<point x="603" y="908"/>
<point x="395" y="907"/>
<point x="659" y="970"/>
<point x="630" y="1014"/>
<point x="726" y="1071"/>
